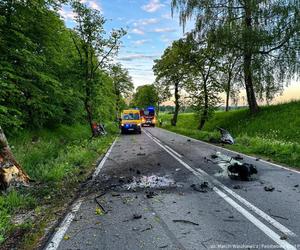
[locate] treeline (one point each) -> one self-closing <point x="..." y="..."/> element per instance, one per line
<point x="236" y="45"/>
<point x="50" y="74"/>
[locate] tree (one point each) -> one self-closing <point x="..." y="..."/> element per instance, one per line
<point x="171" y="72"/>
<point x="123" y="85"/>
<point x="230" y="68"/>
<point x="163" y="93"/>
<point x="36" y="62"/>
<point x="145" y="96"/>
<point x="94" y="50"/>
<point x="10" y="170"/>
<point x="203" y="85"/>
<point x="263" y="32"/>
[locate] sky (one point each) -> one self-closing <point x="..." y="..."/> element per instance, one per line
<point x="150" y="30"/>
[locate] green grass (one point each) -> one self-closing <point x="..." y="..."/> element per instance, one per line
<point x="273" y="133"/>
<point x="57" y="161"/>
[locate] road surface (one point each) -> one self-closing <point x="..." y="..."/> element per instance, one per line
<point x="145" y="185"/>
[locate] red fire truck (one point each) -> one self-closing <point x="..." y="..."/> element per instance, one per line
<point x="148" y="116"/>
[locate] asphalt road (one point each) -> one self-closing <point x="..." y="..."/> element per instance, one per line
<point x="144" y="186"/>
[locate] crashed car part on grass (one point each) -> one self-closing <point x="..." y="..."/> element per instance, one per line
<point x="226" y="136"/>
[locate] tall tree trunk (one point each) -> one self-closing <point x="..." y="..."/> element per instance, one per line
<point x="249" y="84"/>
<point x="118" y="100"/>
<point x="228" y="92"/>
<point x="248" y="74"/>
<point x="177" y="105"/>
<point x="88" y="90"/>
<point x="204" y="115"/>
<point x="10" y="169"/>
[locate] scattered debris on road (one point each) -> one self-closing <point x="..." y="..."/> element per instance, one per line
<point x="137" y="216"/>
<point x="150" y="194"/>
<point x="226" y="136"/>
<point x="280" y="217"/>
<point x="164" y="246"/>
<point x="140" y="154"/>
<point x="101" y="210"/>
<point x="243" y="171"/>
<point x="283" y="237"/>
<point x="186" y="222"/>
<point x="269" y="188"/>
<point x="214" y="156"/>
<point x="152" y="181"/>
<point x="238" y="158"/>
<point x="149" y="227"/>
<point x="236" y="187"/>
<point x="203" y="187"/>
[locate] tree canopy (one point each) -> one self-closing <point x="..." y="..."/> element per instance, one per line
<point x="50" y="73"/>
<point x="265" y="33"/>
<point x="145" y="95"/>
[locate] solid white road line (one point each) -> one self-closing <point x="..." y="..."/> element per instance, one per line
<point x="253" y="208"/>
<point x="58" y="236"/>
<point x="101" y="164"/>
<point x="232" y="151"/>
<point x="173" y="151"/>
<point x="64" y="225"/>
<point x="269" y="232"/>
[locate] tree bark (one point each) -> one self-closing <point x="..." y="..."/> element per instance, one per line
<point x="228" y="92"/>
<point x="177" y="105"/>
<point x="251" y="98"/>
<point x="248" y="74"/>
<point x="10" y="169"/>
<point x="204" y="115"/>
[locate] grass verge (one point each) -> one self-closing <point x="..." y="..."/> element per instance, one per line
<point x="272" y="134"/>
<point x="57" y="161"/>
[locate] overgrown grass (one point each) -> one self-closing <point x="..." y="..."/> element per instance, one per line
<point x="56" y="160"/>
<point x="273" y="133"/>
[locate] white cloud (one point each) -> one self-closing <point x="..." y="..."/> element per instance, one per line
<point x="67" y="14"/>
<point x="144" y="22"/>
<point x="164" y="30"/>
<point x="94" y="5"/>
<point x="140" y="42"/>
<point x="153" y="6"/>
<point x="132" y="57"/>
<point x="138" y="31"/>
<point x="167" y="16"/>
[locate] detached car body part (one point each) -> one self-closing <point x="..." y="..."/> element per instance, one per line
<point x="148" y="117"/>
<point x="131" y="121"/>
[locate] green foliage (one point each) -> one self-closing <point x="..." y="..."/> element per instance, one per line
<point x="37" y="64"/>
<point x="42" y="81"/>
<point x="57" y="160"/>
<point x="272" y="133"/>
<point x="264" y="33"/>
<point x="95" y="51"/>
<point x="123" y="86"/>
<point x="145" y="96"/>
